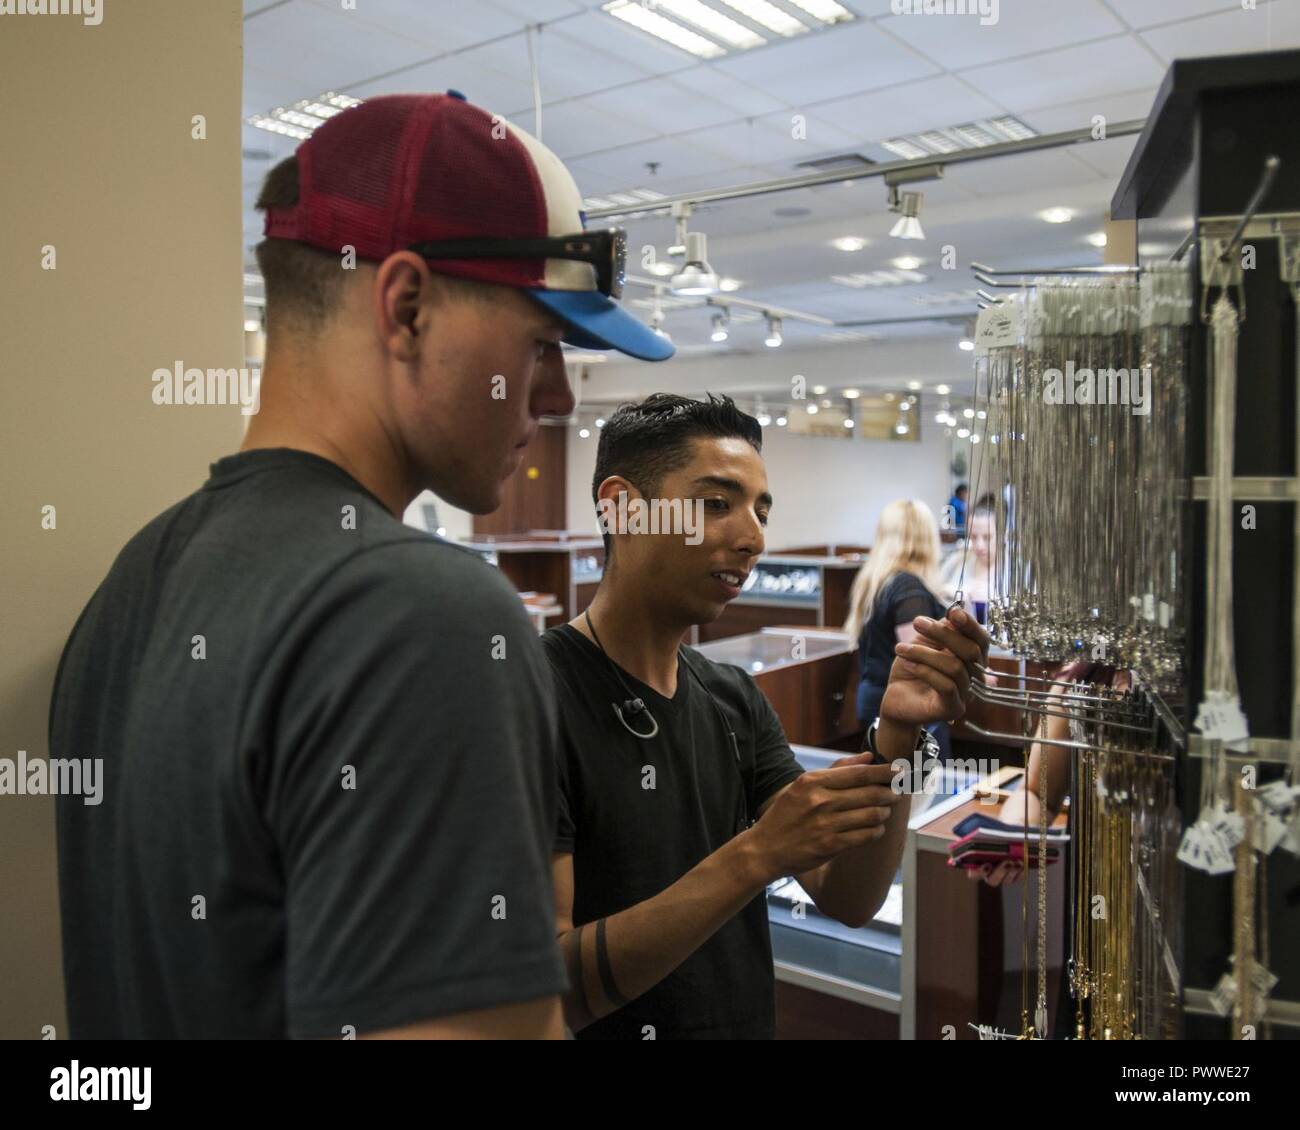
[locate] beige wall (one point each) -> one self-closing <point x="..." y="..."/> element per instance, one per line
<point x="98" y="160"/>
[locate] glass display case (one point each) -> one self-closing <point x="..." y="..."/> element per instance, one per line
<point x="817" y="952"/>
<point x="785" y="581"/>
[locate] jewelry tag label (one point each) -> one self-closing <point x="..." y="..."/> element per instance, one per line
<point x="1230" y="827"/>
<point x="1149" y="605"/>
<point x="1269" y="832"/>
<point x="1277" y="796"/>
<point x="1262" y="980"/>
<point x="997" y="327"/>
<point x="1203" y="848"/>
<point x="1220" y="718"/>
<point x="1223" y="995"/>
<point x="1166" y="614"/>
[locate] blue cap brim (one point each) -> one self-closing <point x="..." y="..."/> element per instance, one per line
<point x="598" y="322"/>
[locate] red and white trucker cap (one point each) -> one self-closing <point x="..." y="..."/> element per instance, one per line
<point x="410" y="169"/>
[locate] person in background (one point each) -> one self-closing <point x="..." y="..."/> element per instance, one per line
<point x="896" y="584"/>
<point x="958" y="507"/>
<point x="1025" y="805"/>
<point x="970" y="569"/>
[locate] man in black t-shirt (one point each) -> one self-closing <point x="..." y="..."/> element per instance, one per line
<point x="679" y="797"/>
<point x="327" y="739"/>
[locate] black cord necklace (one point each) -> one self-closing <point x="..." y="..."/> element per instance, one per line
<point x="634" y="705"/>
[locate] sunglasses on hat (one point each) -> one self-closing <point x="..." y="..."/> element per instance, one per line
<point x="605" y="250"/>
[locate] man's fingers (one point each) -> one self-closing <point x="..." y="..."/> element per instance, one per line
<point x="942" y="662"/>
<point x="970" y="627"/>
<point x="953" y="704"/>
<point x="945" y="635"/>
<point x="863" y="797"/>
<point x="851" y="776"/>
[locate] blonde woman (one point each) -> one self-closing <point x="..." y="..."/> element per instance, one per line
<point x="897" y="583"/>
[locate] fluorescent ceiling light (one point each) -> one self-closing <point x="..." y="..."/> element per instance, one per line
<point x="712" y="21"/>
<point x="828" y="11"/>
<point x="766" y="15"/>
<point x="648" y="20"/>
<point x="906" y="262"/>
<point x="302" y="118"/>
<point x="968" y="135"/>
<point x="849" y="243"/>
<point x="878" y="278"/>
<point x="1057" y="215"/>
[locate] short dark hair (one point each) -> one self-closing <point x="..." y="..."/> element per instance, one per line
<point x="305" y="284"/>
<point x="958" y="489"/>
<point x="646" y="441"/>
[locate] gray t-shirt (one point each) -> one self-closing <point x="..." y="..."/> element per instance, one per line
<point x="328" y="743"/>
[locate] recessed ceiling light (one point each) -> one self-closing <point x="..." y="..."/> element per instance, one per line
<point x="969" y="413"/>
<point x="914" y="386"/>
<point x="828" y="11"/>
<point x="906" y="262"/>
<point x="848" y="423"/>
<point x="763" y="419"/>
<point x="942" y="390"/>
<point x="661" y="27"/>
<point x="584" y="433"/>
<point x="766" y="15"/>
<point x="712" y="21"/>
<point x="812" y="410"/>
<point x="851" y="394"/>
<point x="962" y="433"/>
<point x="728" y="283"/>
<point x="659" y="267"/>
<point x="1057" y="215"/>
<point x="849" y="243"/>
<point x="966" y="344"/>
<point x="1097" y="239"/>
<point x="901" y="429"/>
<point x="819" y="390"/>
<point x="781" y="421"/>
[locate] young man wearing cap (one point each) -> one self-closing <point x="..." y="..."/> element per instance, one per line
<point x="327" y="737"/>
<point x="680" y="799"/>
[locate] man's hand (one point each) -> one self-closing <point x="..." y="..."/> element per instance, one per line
<point x="823" y="813"/>
<point x="931" y="678"/>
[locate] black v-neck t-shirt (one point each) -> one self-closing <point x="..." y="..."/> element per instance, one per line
<point x="637" y="815"/>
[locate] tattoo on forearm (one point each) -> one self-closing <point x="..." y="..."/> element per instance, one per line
<point x="603" y="967"/>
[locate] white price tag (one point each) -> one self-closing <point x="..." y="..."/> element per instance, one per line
<point x="1202" y="848"/>
<point x="1220" y="718"/>
<point x="1269" y="832"/>
<point x="1149" y="605"/>
<point x="1262" y="979"/>
<point x="1277" y="796"/>
<point x="1228" y="824"/>
<point x="1223" y="995"/>
<point x="997" y="327"/>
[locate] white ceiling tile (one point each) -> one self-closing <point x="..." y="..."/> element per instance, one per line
<point x="928" y="103"/>
<point x="1129" y="106"/>
<point x="1270" y="27"/>
<point x="775" y="140"/>
<point x="663" y="105"/>
<point x="492" y="90"/>
<point x="821" y="65"/>
<point x="1094" y="70"/>
<point x="744" y="99"/>
<point x="1023" y="27"/>
<point x="581" y="127"/>
<point x="1145" y="13"/>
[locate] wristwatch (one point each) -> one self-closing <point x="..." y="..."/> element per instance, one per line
<point x="927" y="745"/>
